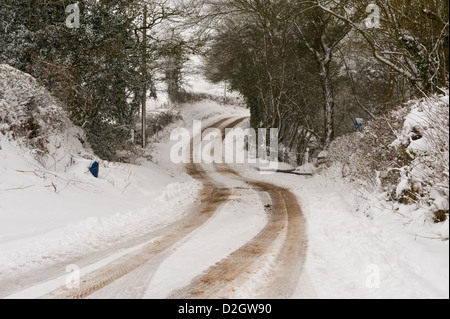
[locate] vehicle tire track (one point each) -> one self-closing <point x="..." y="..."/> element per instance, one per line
<point x="212" y="195"/>
<point x="286" y="222"/>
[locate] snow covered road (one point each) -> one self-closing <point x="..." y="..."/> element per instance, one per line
<point x="241" y="238"/>
<point x="268" y="265"/>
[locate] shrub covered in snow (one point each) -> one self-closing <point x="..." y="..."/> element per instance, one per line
<point x="30" y="115"/>
<point x="404" y="154"/>
<point x="27" y="111"/>
<point x="365" y="155"/>
<point x="157" y="121"/>
<point x="425" y="139"/>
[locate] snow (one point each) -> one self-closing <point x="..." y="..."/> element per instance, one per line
<point x="229" y="229"/>
<point x="41" y="289"/>
<point x="84" y="213"/>
<point x="426" y="137"/>
<point x="51" y="208"/>
<point x="207" y="112"/>
<point x="346" y="244"/>
<point x="359" y="246"/>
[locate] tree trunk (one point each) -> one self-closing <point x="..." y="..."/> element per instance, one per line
<point x="324" y="59"/>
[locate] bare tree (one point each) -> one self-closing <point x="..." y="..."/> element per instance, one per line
<point x="412" y="39"/>
<point x="321" y="31"/>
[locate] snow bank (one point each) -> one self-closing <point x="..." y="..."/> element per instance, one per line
<point x="51" y="207"/>
<point x="358" y="247"/>
<point x="404" y="157"/>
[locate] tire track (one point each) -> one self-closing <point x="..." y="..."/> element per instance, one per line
<point x="286" y="223"/>
<point x="212" y="195"/>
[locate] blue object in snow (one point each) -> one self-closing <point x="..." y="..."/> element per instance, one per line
<point x="94" y="169"/>
<point x="359" y="122"/>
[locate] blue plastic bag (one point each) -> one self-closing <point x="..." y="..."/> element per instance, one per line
<point x="94" y="169"/>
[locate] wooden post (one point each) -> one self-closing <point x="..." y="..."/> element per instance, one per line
<point x="144" y="80"/>
<point x="225" y="92"/>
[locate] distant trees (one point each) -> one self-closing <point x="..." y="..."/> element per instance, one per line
<point x="255" y="51"/>
<point x="310" y="67"/>
<point x="175" y="57"/>
<point x="306" y="67"/>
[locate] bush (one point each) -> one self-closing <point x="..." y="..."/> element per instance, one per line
<point x="425" y="138"/>
<point x="363" y="154"/>
<point x="158" y="121"/>
<point x="404" y="154"/>
<point x="28" y="112"/>
<point x="106" y="139"/>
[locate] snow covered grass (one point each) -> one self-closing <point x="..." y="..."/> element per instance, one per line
<point x="57" y="215"/>
<point x="51" y="207"/>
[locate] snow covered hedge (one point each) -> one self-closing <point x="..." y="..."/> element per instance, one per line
<point x="425" y="138"/>
<point x="404" y="154"/>
<point x="32" y="117"/>
<point x="27" y="110"/>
